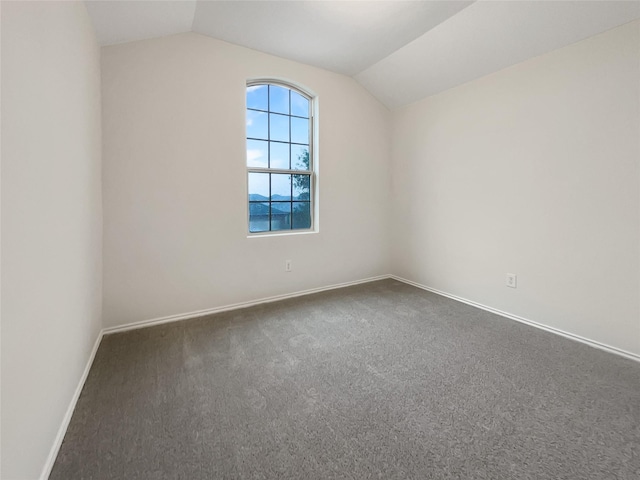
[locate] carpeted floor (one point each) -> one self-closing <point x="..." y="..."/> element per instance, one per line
<point x="380" y="380"/>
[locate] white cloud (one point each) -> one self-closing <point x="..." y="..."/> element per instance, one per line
<point x="253" y="155"/>
<point x="253" y="115"/>
<point x="253" y="88"/>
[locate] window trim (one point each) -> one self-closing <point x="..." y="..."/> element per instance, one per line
<point x="312" y="160"/>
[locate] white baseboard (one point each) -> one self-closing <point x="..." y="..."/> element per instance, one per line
<point x="51" y="459"/>
<point x="557" y="331"/>
<point x="234" y="306"/>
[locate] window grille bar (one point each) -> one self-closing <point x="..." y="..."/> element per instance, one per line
<point x="278" y="170"/>
<point x="307" y="205"/>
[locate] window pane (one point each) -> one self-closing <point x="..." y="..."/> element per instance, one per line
<point x="280" y="215"/>
<point x="257" y="97"/>
<point x="279" y="155"/>
<point x="257" y="153"/>
<point x="299" y="157"/>
<point x="258" y="217"/>
<point x="280" y="186"/>
<point x="279" y="125"/>
<point x="278" y="99"/>
<point x="257" y="124"/>
<point x="299" y="105"/>
<point x="301" y="215"/>
<point x="299" y="130"/>
<point x="258" y="186"/>
<point x="301" y="184"/>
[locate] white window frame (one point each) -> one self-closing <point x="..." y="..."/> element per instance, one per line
<point x="311" y="172"/>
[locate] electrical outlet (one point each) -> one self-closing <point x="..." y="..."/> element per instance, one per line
<point x="287" y="265"/>
<point x="512" y="280"/>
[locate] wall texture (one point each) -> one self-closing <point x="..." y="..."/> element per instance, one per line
<point x="174" y="181"/>
<point x="51" y="222"/>
<point x="533" y="170"/>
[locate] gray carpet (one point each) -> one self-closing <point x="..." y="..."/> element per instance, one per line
<point x="380" y="380"/>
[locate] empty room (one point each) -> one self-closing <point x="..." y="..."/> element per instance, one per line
<point x="320" y="240"/>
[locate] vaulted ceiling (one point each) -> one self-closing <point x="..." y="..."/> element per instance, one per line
<point x="400" y="51"/>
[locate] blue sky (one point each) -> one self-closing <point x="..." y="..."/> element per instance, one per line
<point x="272" y="126"/>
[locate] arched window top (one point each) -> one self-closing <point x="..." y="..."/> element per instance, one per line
<point x="277" y="96"/>
<point x="280" y="163"/>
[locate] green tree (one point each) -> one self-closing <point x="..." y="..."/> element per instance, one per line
<point x="302" y="187"/>
<point x="301" y="183"/>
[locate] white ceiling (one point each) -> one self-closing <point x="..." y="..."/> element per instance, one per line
<point x="401" y="51"/>
<point x="484" y="38"/>
<point x="342" y="36"/>
<point x="117" y="21"/>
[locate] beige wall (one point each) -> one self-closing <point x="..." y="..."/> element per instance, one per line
<point x="51" y="222"/>
<point x="533" y="170"/>
<point x="175" y="229"/>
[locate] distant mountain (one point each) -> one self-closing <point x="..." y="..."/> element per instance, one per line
<point x="254" y="197"/>
<point x="280" y="198"/>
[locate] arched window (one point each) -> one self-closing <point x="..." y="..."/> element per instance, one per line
<point x="280" y="161"/>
